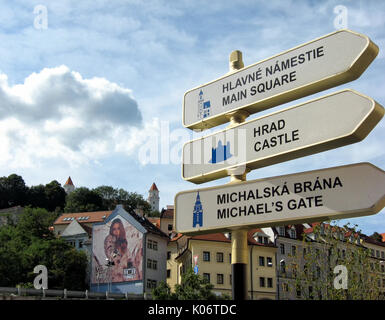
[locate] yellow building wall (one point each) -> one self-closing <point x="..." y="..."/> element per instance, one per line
<point x="213" y="267"/>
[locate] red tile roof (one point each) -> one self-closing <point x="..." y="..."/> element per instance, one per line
<point x="95" y="216"/>
<point x="167" y="213"/>
<point x="154" y="221"/>
<point x="153" y="187"/>
<point x="220" y="237"/>
<point x="383" y="237"/>
<point x="69" y="182"/>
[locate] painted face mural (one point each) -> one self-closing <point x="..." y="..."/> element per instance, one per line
<point x="121" y="244"/>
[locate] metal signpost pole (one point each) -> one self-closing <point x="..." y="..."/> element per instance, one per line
<point x="239" y="257"/>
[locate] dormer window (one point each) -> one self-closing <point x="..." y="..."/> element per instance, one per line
<point x="281" y="231"/>
<point x="293" y="233"/>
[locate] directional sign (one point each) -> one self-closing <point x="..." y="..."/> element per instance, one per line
<point x="321" y="124"/>
<point x="321" y="64"/>
<point x="333" y="193"/>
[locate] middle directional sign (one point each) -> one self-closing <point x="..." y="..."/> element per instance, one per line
<point x="318" y="125"/>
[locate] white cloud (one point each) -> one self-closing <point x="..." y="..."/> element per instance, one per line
<point x="57" y="114"/>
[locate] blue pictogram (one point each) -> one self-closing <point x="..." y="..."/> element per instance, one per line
<point x="220" y="153"/>
<point x="203" y="106"/>
<point x="198" y="212"/>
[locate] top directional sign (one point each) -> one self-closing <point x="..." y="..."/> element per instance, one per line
<point x="318" y="65"/>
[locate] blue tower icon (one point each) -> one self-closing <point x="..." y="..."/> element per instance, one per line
<point x="198" y="212"/>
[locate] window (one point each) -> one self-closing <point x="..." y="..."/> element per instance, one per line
<point x="382" y="268"/>
<point x="170" y="227"/>
<point x="283" y="266"/>
<point x="80" y="244"/>
<point x="269" y="282"/>
<point x="151" y="284"/>
<point x="261" y="261"/>
<point x="293" y="234"/>
<point x="382" y="255"/>
<point x="231" y="279"/>
<point x="293" y="250"/>
<point x="168" y="273"/>
<point x="260" y="239"/>
<point x="372" y="251"/>
<point x="152" y="264"/>
<point x="155" y="245"/>
<point x="149" y="244"/>
<point x="265" y="240"/>
<point x="206" y="276"/>
<point x="219" y="278"/>
<point x="219" y="256"/>
<point x="285" y="287"/>
<point x="168" y="255"/>
<point x="377" y="253"/>
<point x="229" y="257"/>
<point x="269" y="261"/>
<point x="262" y="282"/>
<point x="281" y="231"/>
<point x="206" y="256"/>
<point x="282" y="247"/>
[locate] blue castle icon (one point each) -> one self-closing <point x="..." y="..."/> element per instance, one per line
<point x="203" y="106"/>
<point x="220" y="153"/>
<point x="198" y="212"/>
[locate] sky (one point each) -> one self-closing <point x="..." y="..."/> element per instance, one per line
<point x="94" y="89"/>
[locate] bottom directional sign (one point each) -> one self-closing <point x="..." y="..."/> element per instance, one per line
<point x="340" y="192"/>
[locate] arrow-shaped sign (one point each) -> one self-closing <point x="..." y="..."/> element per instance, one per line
<point x="318" y="65"/>
<point x="327" y="194"/>
<point x="321" y="124"/>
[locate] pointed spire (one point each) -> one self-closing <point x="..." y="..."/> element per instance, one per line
<point x="153" y="187"/>
<point x="69" y="182"/>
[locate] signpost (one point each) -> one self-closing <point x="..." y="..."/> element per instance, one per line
<point x="323" y="63"/>
<point x="326" y="194"/>
<point x="321" y="124"/>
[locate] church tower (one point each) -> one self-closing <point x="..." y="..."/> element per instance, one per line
<point x="198" y="212"/>
<point x="69" y="186"/>
<point x="153" y="197"/>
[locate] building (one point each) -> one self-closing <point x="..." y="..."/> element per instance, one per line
<point x="12" y="213"/>
<point x="288" y="240"/>
<point x="128" y="254"/>
<point x="210" y="256"/>
<point x="153" y="197"/>
<point x="166" y="221"/>
<point x="69" y="186"/>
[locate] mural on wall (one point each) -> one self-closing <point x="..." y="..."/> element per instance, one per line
<point x="120" y="243"/>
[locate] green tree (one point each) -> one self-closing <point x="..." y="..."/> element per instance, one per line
<point x="55" y="196"/>
<point x="109" y="196"/>
<point x="83" y="200"/>
<point x="192" y="287"/>
<point x="13" y="191"/>
<point x="163" y="292"/>
<point x="30" y="243"/>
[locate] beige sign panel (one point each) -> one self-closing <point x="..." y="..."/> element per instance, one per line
<point x="333" y="193"/>
<point x="321" y="124"/>
<point x="320" y="64"/>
